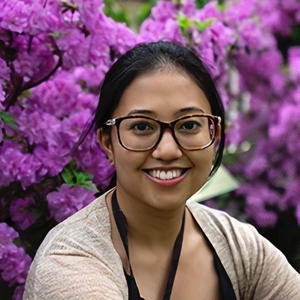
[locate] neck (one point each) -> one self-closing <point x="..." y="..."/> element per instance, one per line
<point x="151" y="226"/>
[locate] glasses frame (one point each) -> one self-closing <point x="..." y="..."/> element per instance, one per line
<point x="163" y="127"/>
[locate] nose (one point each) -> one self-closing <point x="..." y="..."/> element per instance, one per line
<point x="167" y="148"/>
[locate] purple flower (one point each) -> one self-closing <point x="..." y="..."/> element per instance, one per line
<point x="68" y="200"/>
<point x="75" y="48"/>
<point x="1" y="128"/>
<point x="294" y="63"/>
<point x="45" y="16"/>
<point x="162" y="25"/>
<point x="209" y="11"/>
<point x="18" y="292"/>
<point x="4" y="70"/>
<point x="87" y="77"/>
<point x="188" y="7"/>
<point x="259" y="199"/>
<point x="124" y="40"/>
<point x="7" y="234"/>
<point x="14" y="15"/>
<point x="239" y="11"/>
<point x="89" y="12"/>
<point x="18" y="166"/>
<point x="52" y="158"/>
<point x="20" y="212"/>
<point x="14" y="262"/>
<point x="35" y="59"/>
<point x="286" y="130"/>
<point x="256" y="167"/>
<point x="291" y="196"/>
<point x="91" y="157"/>
<point x="151" y="30"/>
<point x="163" y="11"/>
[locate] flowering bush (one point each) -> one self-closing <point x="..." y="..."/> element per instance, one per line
<point x="53" y="57"/>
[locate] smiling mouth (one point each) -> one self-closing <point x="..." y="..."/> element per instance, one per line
<point x="166" y="175"/>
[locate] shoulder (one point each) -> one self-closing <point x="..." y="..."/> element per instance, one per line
<point x="220" y="224"/>
<point x="230" y="238"/>
<point x="257" y="269"/>
<point x="89" y="226"/>
<point x="77" y="259"/>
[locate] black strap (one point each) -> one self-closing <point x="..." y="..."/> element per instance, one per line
<point x="122" y="227"/>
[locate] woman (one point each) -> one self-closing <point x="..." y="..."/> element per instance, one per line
<point x="161" y="123"/>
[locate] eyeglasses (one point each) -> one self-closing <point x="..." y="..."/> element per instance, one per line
<point x="141" y="133"/>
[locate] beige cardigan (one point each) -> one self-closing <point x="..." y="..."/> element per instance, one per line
<point x="77" y="259"/>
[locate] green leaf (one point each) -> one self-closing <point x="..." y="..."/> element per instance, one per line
<point x="201" y="3"/>
<point x="221" y="3"/>
<point x="183" y="21"/>
<point x="144" y="12"/>
<point x="116" y="11"/>
<point x="204" y="24"/>
<point x="74" y="177"/>
<point x="9" y="120"/>
<point x="67" y="176"/>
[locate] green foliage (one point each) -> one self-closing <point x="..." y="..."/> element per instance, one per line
<point x="123" y="12"/>
<point x="184" y="23"/>
<point x="144" y="12"/>
<point x="201" y="3"/>
<point x="116" y="11"/>
<point x="204" y="24"/>
<point x="73" y="177"/>
<point x="8" y="119"/>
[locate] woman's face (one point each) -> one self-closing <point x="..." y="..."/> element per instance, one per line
<point x="165" y="96"/>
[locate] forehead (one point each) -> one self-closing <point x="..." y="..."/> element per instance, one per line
<point x="166" y="95"/>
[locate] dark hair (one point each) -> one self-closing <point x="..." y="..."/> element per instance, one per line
<point x="153" y="56"/>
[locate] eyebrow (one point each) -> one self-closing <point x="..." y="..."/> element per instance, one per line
<point x="182" y="110"/>
<point x="140" y="111"/>
<point x="191" y="109"/>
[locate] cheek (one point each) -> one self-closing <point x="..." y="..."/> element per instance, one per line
<point x="126" y="161"/>
<point x="204" y="161"/>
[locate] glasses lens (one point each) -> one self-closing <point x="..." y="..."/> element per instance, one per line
<point x="195" y="132"/>
<point x="192" y="132"/>
<point x="139" y="133"/>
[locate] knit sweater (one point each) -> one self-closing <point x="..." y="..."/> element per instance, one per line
<point x="77" y="259"/>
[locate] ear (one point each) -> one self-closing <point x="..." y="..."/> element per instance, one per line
<point x="218" y="132"/>
<point x="217" y="137"/>
<point x="104" y="140"/>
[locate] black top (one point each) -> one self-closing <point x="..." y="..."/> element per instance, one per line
<point x="225" y="286"/>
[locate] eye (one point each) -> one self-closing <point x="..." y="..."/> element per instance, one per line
<point x="190" y="126"/>
<point x="141" y="127"/>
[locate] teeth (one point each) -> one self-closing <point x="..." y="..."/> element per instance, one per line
<point x="165" y="175"/>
